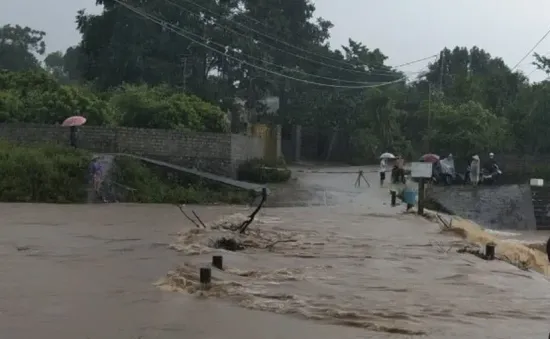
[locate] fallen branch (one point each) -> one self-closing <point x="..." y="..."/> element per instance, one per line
<point x="251" y="217"/>
<point x="446" y="225"/>
<point x="199" y="219"/>
<point x="189" y="218"/>
<point x="440" y="247"/>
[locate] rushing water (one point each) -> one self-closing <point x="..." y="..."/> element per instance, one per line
<point x="355" y="268"/>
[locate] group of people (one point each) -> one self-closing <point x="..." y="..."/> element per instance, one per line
<point x="398" y="171"/>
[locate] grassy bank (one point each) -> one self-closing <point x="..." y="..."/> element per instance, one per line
<point x="42" y="174"/>
<point x="156" y="185"/>
<point x="53" y="174"/>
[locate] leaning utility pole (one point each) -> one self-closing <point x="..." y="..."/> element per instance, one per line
<point x="441" y="70"/>
<point x="429" y="136"/>
<point x="184" y="72"/>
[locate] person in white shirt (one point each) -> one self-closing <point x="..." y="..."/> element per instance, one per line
<point x="383" y="164"/>
<point x="475" y="169"/>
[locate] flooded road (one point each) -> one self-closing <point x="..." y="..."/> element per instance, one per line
<point x="358" y="269"/>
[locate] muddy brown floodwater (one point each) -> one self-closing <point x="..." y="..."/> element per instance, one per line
<point x="358" y="269"/>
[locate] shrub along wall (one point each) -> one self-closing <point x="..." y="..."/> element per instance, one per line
<point x="43" y="174"/>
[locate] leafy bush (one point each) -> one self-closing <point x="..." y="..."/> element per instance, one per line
<point x="42" y="174"/>
<point x="153" y="187"/>
<point x="261" y="171"/>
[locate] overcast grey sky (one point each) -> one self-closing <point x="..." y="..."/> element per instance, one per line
<point x="404" y="30"/>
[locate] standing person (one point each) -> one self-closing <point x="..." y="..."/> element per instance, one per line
<point x="73" y="136"/>
<point x="474" y="170"/>
<point x="383" y="165"/>
<point x="401" y="168"/>
<point x="398" y="171"/>
<point x="96" y="171"/>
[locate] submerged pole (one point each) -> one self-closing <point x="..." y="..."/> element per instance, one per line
<point x="421" y="195"/>
<point x="205" y="277"/>
<point x="217" y="262"/>
<point x="490" y="251"/>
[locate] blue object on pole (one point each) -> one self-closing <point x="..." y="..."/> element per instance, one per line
<point x="410" y="196"/>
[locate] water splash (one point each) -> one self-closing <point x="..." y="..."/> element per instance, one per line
<point x="250" y="289"/>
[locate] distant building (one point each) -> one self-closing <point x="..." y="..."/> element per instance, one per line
<point x="247" y="117"/>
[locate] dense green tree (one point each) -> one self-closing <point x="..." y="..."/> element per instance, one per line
<point x="19" y="47"/>
<point x="147" y="75"/>
<point x="161" y="107"/>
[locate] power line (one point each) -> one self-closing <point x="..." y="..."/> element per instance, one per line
<point x="281" y="66"/>
<point x="532" y="49"/>
<point x="167" y="25"/>
<point x="286" y="43"/>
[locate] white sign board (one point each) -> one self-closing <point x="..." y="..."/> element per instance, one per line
<point x="537" y="182"/>
<point x="421" y="170"/>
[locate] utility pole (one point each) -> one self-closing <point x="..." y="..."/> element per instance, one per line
<point x="429" y="129"/>
<point x="184" y="59"/>
<point x="184" y="72"/>
<point x="441" y="70"/>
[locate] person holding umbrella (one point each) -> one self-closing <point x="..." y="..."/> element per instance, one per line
<point x="73" y="122"/>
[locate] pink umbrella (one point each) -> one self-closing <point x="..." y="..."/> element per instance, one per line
<point x="433" y="158"/>
<point x="76" y="120"/>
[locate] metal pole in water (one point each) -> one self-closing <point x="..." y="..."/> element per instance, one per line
<point x="393" y="197"/>
<point x="548" y="250"/>
<point x="490" y="251"/>
<point x="205" y="277"/>
<point x="421" y="195"/>
<point x="217" y="262"/>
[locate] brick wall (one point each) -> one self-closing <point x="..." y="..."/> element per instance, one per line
<point x="212" y="152"/>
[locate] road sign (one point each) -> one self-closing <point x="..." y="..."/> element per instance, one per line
<point x="421" y="170"/>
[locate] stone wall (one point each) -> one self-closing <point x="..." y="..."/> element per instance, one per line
<point x="211" y="152"/>
<point x="495" y="207"/>
<point x="541" y="205"/>
<point x="244" y="148"/>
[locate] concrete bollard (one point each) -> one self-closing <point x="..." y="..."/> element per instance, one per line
<point x="393" y="198"/>
<point x="490" y="251"/>
<point x="217" y="262"/>
<point x="205" y="277"/>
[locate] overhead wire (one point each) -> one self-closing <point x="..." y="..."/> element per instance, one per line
<point x="284" y="42"/>
<point x="298" y="70"/>
<point x="177" y="31"/>
<point x="381" y="72"/>
<point x="532" y="49"/>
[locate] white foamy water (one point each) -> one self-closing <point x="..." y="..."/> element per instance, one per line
<point x="382" y="272"/>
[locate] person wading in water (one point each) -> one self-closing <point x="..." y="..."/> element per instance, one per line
<point x="96" y="171"/>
